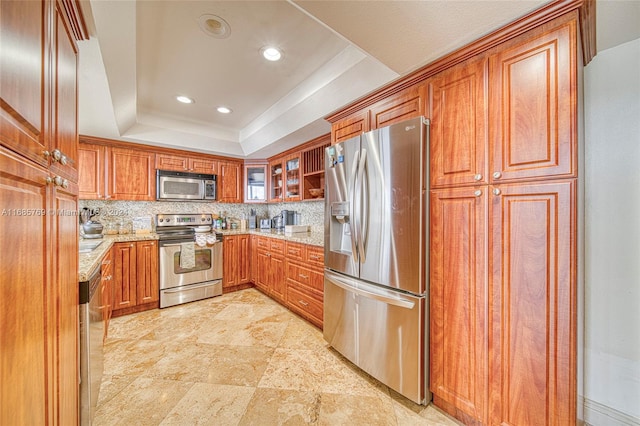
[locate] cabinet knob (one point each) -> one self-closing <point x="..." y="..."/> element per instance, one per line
<point x="64" y="160"/>
<point x="497" y="175"/>
<point x="477" y="193"/>
<point x="496" y="191"/>
<point x="58" y="181"/>
<point x="477" y="177"/>
<point x="46" y="154"/>
<point x="48" y="180"/>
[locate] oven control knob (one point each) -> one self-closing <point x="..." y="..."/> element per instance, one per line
<point x="160" y="220"/>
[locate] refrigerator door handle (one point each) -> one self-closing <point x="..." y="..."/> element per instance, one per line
<point x="357" y="288"/>
<point x="363" y="210"/>
<point x="353" y="215"/>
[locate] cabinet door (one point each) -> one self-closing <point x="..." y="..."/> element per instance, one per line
<point x="532" y="106"/>
<point x="172" y="162"/>
<point x="107" y="289"/>
<point x="124" y="272"/>
<point x="244" y="250"/>
<point x="293" y="178"/>
<point x="147" y="284"/>
<point x="26" y="277"/>
<point x="65" y="98"/>
<point x="230" y="182"/>
<point x="262" y="273"/>
<point x="276" y="180"/>
<point x="402" y="106"/>
<point x="23" y="82"/>
<point x="230" y="261"/>
<point x="65" y="245"/>
<point x="132" y="175"/>
<point x="277" y="278"/>
<point x="91" y="172"/>
<point x="458" y="300"/>
<point x="255" y="183"/>
<point x="253" y="266"/>
<point x="354" y="125"/>
<point x="532" y="310"/>
<point x="203" y="165"/>
<point x="458" y="141"/>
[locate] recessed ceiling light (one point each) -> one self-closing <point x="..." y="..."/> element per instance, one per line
<point x="214" y="26"/>
<point x="223" y="110"/>
<point x="271" y="53"/>
<point x="184" y="99"/>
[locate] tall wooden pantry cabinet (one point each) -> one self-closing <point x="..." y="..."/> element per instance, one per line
<point x="38" y="217"/>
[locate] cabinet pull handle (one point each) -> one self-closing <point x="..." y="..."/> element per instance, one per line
<point x="303" y="303"/>
<point x="496" y="191"/>
<point x="303" y="276"/>
<point x="477" y="177"/>
<point x="477" y="193"/>
<point x="314" y="257"/>
<point x="497" y="175"/>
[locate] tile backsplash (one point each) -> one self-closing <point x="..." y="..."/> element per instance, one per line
<point x="312" y="212"/>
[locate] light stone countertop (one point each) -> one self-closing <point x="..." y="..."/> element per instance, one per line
<point x="88" y="263"/>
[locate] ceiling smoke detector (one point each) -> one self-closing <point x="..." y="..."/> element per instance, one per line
<point x="214" y="26"/>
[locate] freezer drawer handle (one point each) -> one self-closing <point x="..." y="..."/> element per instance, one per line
<point x="192" y="287"/>
<point x="346" y="285"/>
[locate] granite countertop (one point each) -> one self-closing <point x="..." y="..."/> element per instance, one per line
<point x="88" y="263"/>
<point x="311" y="238"/>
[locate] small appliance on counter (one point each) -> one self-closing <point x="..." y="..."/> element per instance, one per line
<point x="286" y="217"/>
<point x="90" y="228"/>
<point x="265" y="223"/>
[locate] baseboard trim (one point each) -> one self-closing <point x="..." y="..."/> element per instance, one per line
<point x="596" y="414"/>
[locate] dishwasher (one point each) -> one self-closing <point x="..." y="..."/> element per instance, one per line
<point x="91" y="328"/>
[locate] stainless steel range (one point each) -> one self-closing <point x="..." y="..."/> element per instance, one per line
<point x="190" y="258"/>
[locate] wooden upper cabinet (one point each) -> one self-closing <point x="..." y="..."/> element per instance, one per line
<point x="458" y="141"/>
<point x="352" y="126"/>
<point x="230" y="182"/>
<point x="186" y="164"/>
<point x="293" y="177"/>
<point x="404" y="105"/>
<point x="532" y="309"/>
<point x="92" y="172"/>
<point x="64" y="147"/>
<point x="533" y="105"/>
<point x="458" y="300"/>
<point x="276" y="180"/>
<point x="131" y="175"/>
<point x="23" y="109"/>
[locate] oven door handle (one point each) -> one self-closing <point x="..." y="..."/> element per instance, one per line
<point x="189" y="287"/>
<point x="179" y="245"/>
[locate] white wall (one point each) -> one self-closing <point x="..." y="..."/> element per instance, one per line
<point x="612" y="236"/>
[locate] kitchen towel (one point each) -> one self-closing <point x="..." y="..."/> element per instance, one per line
<point x="187" y="255"/>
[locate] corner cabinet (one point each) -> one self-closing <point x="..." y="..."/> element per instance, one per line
<point x="255" y="182"/>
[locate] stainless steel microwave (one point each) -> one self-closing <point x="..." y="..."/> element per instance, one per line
<point x="181" y="186"/>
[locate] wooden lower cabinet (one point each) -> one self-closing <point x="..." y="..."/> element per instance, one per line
<point x="270" y="272"/>
<point x="503" y="336"/>
<point x="305" y="281"/>
<point x="236" y="271"/>
<point x="106" y="289"/>
<point x="136" y="285"/>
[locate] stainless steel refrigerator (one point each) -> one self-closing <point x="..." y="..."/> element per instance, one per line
<point x="376" y="259"/>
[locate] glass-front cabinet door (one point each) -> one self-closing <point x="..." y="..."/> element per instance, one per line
<point x="276" y="183"/>
<point x="293" y="183"/>
<point x="255" y="183"/>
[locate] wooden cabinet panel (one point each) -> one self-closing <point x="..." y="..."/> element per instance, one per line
<point x="253" y="267"/>
<point x="203" y="165"/>
<point x="106" y="272"/>
<point x="314" y="255"/>
<point x="131" y="175"/>
<point x="65" y="244"/>
<point x="23" y="83"/>
<point x="125" y="275"/>
<point x="25" y="307"/>
<point x="458" y="142"/>
<point x="91" y="172"/>
<point x="276" y="246"/>
<point x="532" y="106"/>
<point x="350" y="127"/>
<point x="244" y="264"/>
<point x="295" y="251"/>
<point x="277" y="280"/>
<point x="147" y="285"/>
<point x="458" y="299"/>
<point x="262" y="273"/>
<point x="404" y="105"/>
<point x="532" y="290"/>
<point x="172" y="162"/>
<point x="307" y="306"/>
<point x="236" y="263"/>
<point x="230" y="182"/>
<point x="65" y="98"/>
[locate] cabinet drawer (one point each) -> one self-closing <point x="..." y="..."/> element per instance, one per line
<point x="276" y="246"/>
<point x="295" y="251"/>
<point x="315" y="256"/>
<point x="263" y="243"/>
<point x="304" y="304"/>
<point x="306" y="277"/>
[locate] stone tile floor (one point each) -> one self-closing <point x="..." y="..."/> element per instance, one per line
<point x="239" y="359"/>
